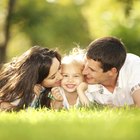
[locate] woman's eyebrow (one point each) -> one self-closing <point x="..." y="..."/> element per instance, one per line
<point x="55" y="72"/>
<point x="52" y="75"/>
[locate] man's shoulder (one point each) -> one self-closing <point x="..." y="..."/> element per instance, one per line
<point x="132" y="57"/>
<point x="94" y="87"/>
<point x="131" y="61"/>
<point x="131" y="67"/>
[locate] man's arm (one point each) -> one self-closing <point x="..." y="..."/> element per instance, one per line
<point x="136" y="97"/>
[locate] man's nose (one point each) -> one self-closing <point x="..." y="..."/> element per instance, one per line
<point x="85" y="70"/>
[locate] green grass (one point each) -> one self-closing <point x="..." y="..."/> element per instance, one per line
<point x="75" y="124"/>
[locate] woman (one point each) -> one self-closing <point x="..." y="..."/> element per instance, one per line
<point x="37" y="67"/>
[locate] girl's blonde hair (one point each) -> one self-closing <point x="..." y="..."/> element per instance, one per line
<point x="75" y="55"/>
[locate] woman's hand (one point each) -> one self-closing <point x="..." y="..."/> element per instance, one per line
<point x="37" y="89"/>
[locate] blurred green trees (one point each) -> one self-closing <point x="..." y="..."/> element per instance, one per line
<point x="118" y="18"/>
<point x="64" y="23"/>
<point x="51" y="24"/>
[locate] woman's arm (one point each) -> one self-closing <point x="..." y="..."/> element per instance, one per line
<point x="6" y="106"/>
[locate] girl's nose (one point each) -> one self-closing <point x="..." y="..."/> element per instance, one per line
<point x="70" y="79"/>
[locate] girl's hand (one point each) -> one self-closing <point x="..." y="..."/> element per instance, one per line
<point x="81" y="93"/>
<point x="56" y="94"/>
<point x="82" y="87"/>
<point x="57" y="102"/>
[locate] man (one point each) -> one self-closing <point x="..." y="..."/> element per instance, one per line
<point x="112" y="74"/>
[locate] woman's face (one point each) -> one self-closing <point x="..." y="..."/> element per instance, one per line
<point x="54" y="77"/>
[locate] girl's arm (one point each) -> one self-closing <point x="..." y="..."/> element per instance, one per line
<point x="57" y="99"/>
<point x="81" y="93"/>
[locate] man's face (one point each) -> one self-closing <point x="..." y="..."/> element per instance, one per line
<point x="94" y="73"/>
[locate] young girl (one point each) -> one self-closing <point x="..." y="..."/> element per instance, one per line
<point x="72" y="66"/>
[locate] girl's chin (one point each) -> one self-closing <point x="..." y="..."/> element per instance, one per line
<point x="70" y="90"/>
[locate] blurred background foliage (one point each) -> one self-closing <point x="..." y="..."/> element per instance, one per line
<point x="63" y="24"/>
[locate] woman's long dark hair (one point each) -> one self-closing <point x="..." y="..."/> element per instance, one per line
<point x="18" y="78"/>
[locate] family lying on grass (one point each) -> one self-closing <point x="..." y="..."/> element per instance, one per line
<point x="105" y="74"/>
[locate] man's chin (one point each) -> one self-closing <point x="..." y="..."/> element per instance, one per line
<point x="90" y="81"/>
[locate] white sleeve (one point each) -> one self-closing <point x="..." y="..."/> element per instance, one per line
<point x="134" y="79"/>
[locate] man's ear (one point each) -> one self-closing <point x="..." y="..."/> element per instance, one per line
<point x="113" y="71"/>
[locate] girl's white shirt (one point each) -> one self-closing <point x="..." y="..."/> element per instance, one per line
<point x="66" y="104"/>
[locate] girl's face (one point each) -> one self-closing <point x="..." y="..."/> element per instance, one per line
<point x="54" y="77"/>
<point x="72" y="77"/>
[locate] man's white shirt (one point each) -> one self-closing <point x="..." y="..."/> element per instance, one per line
<point x="128" y="82"/>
